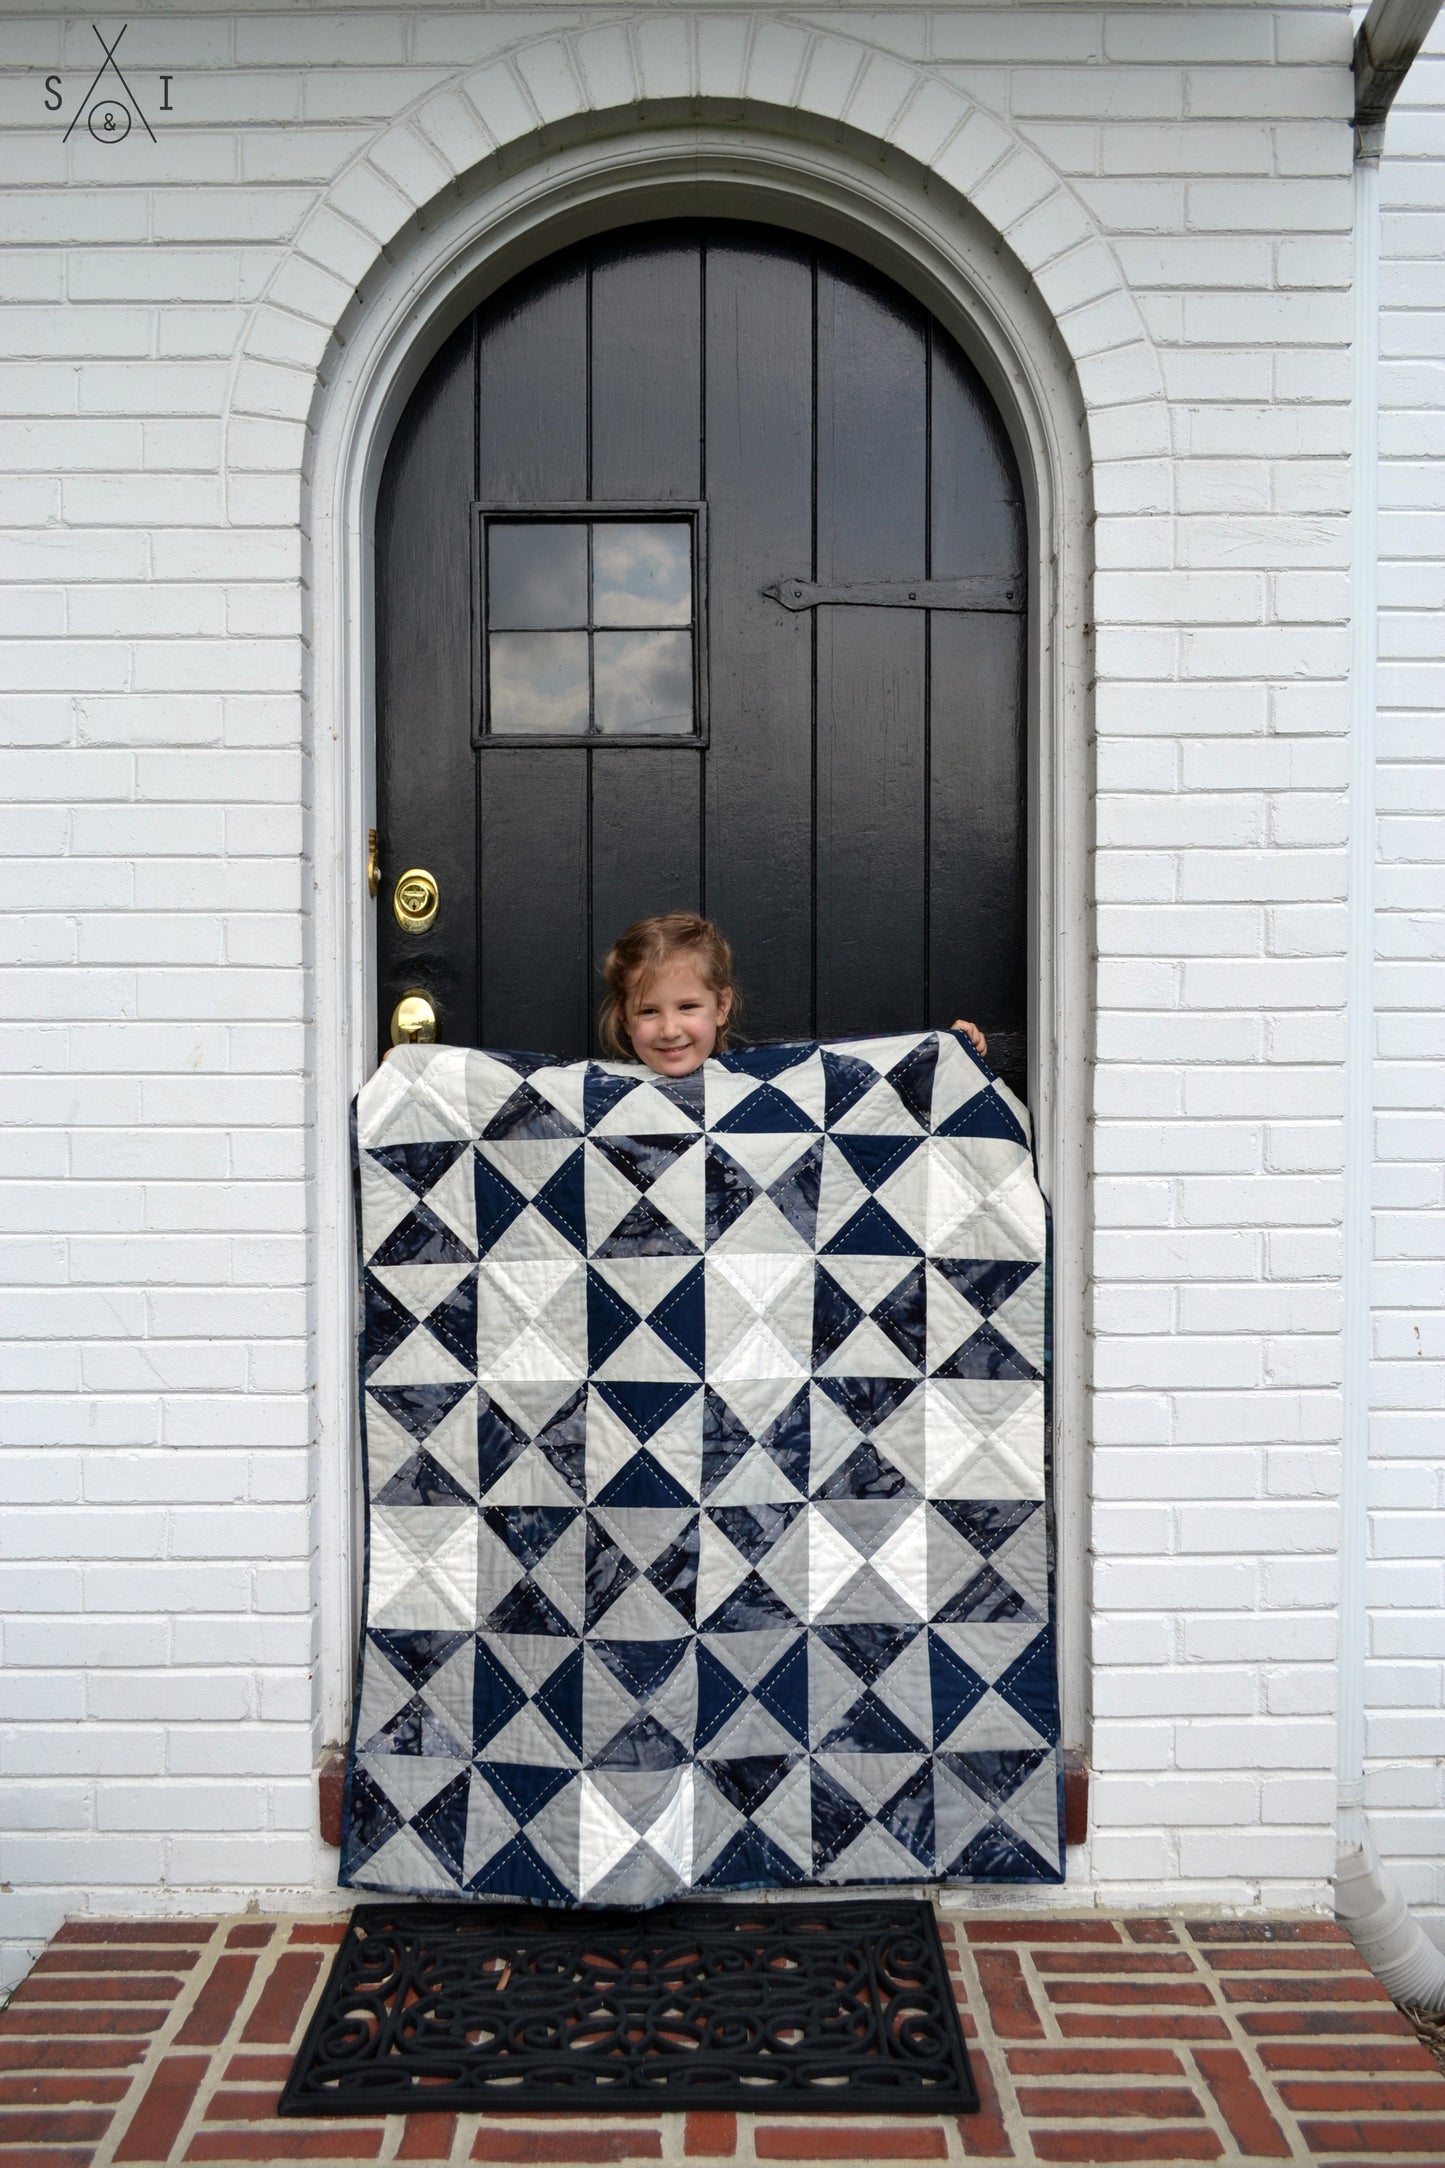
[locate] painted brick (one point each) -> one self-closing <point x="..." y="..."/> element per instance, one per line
<point x="1151" y="2146"/>
<point x="210" y="2016"/>
<point x="426" y="2137"/>
<point x="1155" y="2103"/>
<point x="283" y="1999"/>
<point x="792" y="2141"/>
<point x="157" y="2121"/>
<point x="165" y="761"/>
<point x="500" y="2143"/>
<point x="710" y="2135"/>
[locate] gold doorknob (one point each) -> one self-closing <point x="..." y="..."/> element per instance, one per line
<point x="415" y="900"/>
<point x="413" y="1020"/>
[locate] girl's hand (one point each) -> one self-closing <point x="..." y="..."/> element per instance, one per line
<point x="972" y="1033"/>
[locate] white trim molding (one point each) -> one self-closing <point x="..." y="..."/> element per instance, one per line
<point x="574" y="177"/>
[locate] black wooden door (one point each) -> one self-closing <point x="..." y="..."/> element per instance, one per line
<point x="839" y="782"/>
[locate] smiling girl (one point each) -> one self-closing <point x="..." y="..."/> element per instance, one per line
<point x="671" y="995"/>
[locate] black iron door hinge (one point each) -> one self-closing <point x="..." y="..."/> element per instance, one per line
<point x="1002" y="593"/>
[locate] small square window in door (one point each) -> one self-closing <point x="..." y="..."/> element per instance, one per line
<point x="591" y="623"/>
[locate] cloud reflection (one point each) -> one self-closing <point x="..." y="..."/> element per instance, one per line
<point x="642" y="573"/>
<point x="538" y="682"/>
<point x="643" y="681"/>
<point x="536" y="574"/>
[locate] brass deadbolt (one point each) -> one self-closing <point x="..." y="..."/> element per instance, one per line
<point x="415" y="900"/>
<point x="413" y="1020"/>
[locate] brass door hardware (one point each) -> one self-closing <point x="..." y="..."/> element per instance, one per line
<point x="415" y="900"/>
<point x="373" y="864"/>
<point x="413" y="1020"/>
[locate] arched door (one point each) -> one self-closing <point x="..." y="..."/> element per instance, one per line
<point x="699" y="562"/>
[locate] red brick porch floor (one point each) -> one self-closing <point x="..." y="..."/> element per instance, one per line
<point x="1140" y="2040"/>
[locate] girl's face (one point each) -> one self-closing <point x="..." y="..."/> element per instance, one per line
<point x="674" y="1019"/>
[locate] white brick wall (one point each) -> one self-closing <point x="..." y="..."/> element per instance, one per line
<point x="1221" y="603"/>
<point x="1177" y="178"/>
<point x="1405" y="1735"/>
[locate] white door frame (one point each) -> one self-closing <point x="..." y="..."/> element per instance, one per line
<point x="924" y="236"/>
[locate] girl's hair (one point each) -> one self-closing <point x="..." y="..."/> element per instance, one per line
<point x="639" y="954"/>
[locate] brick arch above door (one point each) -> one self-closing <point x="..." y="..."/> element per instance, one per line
<point x="717" y="73"/>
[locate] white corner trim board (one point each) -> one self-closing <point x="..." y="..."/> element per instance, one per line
<point x="916" y="229"/>
<point x="1390" y="1939"/>
<point x="1360" y="1044"/>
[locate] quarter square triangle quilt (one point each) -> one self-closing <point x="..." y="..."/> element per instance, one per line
<point x="705" y="1436"/>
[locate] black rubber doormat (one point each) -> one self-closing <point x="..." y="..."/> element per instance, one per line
<point x="808" y="2009"/>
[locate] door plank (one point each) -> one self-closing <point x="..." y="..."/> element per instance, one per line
<point x="978" y="845"/>
<point x="536" y="991"/>
<point x="976" y="852"/>
<point x="646" y="361"/>
<point x="532" y="388"/>
<point x="646" y="834"/>
<point x="759" y="412"/>
<point x="426" y="790"/>
<point x="647" y="367"/>
<point x="532" y="900"/>
<point x="977" y="497"/>
<point x="872" y="663"/>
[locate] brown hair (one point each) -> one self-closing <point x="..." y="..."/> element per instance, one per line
<point x="637" y="955"/>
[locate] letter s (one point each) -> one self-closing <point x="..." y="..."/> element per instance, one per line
<point x="52" y="93"/>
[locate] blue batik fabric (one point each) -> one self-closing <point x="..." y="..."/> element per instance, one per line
<point x="705" y="1428"/>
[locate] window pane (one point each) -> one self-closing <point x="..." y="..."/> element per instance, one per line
<point x="536" y="574"/>
<point x="642" y="574"/>
<point x="643" y="681"/>
<point x="538" y="682"/>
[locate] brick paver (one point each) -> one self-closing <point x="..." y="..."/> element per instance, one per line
<point x="1095" y="2040"/>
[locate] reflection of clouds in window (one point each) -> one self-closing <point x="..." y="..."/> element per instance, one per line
<point x="539" y="682"/>
<point x="641" y="574"/>
<point x="643" y="681"/>
<point x="550" y="579"/>
<point x="536" y="575"/>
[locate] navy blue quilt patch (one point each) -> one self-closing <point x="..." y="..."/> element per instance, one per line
<point x="705" y="1436"/>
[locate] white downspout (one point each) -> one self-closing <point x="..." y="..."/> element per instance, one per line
<point x="1366" y="1899"/>
<point x="1360" y="1001"/>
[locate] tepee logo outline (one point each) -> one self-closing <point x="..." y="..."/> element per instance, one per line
<point x="110" y="65"/>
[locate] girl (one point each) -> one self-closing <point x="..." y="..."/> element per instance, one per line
<point x="671" y="994"/>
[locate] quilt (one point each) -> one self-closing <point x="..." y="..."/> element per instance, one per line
<point x="705" y="1431"/>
